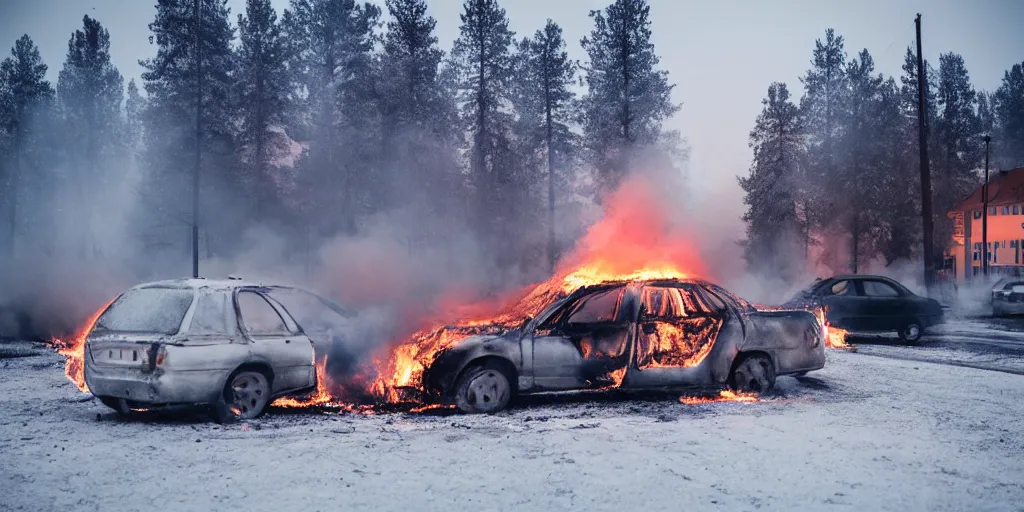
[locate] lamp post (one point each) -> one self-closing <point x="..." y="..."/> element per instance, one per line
<point x="984" y="213"/>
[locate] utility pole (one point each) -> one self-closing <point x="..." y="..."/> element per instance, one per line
<point x="926" y="182"/>
<point x="984" y="213"/>
<point x="199" y="139"/>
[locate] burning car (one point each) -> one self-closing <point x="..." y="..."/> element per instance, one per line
<point x="633" y="334"/>
<point x="870" y="304"/>
<point x="229" y="344"/>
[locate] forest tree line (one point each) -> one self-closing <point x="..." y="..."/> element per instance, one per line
<point x="835" y="178"/>
<point x="318" y="119"/>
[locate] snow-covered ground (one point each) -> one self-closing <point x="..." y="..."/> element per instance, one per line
<point x="865" y="433"/>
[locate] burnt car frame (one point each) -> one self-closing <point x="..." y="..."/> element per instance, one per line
<point x="624" y="331"/>
<point x="229" y="344"/>
<point x="865" y="304"/>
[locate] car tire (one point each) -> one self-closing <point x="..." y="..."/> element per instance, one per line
<point x="911" y="332"/>
<point x="245" y="396"/>
<point x="119" y="405"/>
<point x="483" y="388"/>
<point x="752" y="373"/>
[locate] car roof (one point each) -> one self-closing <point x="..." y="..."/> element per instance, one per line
<point x="841" y="277"/>
<point x="197" y="283"/>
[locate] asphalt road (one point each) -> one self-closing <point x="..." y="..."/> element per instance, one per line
<point x="975" y="342"/>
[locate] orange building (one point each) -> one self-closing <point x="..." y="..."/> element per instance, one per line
<point x="1005" y="229"/>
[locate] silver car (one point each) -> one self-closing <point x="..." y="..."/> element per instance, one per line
<point x="230" y="344"/>
<point x="633" y="335"/>
<point x="1008" y="297"/>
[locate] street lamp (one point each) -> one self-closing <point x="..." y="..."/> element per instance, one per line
<point x="984" y="213"/>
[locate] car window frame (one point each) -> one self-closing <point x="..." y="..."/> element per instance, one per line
<point x="863" y="290"/>
<point x="616" y="316"/>
<point x="241" y="319"/>
<point x="181" y="323"/>
<point x="647" y="314"/>
<point x="554" y="322"/>
<point x="853" y="284"/>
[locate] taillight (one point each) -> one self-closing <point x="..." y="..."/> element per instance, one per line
<point x="157" y="356"/>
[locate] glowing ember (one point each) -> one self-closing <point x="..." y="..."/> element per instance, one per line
<point x="73" y="350"/>
<point x="431" y="407"/>
<point x="724" y="396"/>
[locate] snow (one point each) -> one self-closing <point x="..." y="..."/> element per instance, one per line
<point x="865" y="433"/>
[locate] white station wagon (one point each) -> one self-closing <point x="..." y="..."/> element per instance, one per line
<point x="230" y="344"/>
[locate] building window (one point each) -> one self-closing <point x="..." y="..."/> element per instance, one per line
<point x="975" y="255"/>
<point x="1006" y="210"/>
<point x="1016" y="209"/>
<point x="977" y="214"/>
<point x="992" y="210"/>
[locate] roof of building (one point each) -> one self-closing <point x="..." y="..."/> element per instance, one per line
<point x="1005" y="187"/>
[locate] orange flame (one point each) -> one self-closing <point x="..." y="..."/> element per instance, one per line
<point x="73" y="350"/>
<point x="635" y="240"/>
<point x="834" y="336"/>
<point x="319" y="397"/>
<point x="723" y="396"/>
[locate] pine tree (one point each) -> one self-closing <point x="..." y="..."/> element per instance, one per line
<point x="774" y="227"/>
<point x="193" y="67"/>
<point x="483" y="61"/>
<point x="330" y="58"/>
<point x="628" y="97"/>
<point x="860" y="156"/>
<point x="89" y="93"/>
<point x="419" y="125"/>
<point x="545" y="82"/>
<point x="134" y="108"/>
<point x="262" y="92"/>
<point x="823" y="108"/>
<point x="898" y="182"/>
<point x="24" y="95"/>
<point x="1009" y="113"/>
<point x="958" y="150"/>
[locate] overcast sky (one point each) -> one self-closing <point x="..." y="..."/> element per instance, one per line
<point x="721" y="54"/>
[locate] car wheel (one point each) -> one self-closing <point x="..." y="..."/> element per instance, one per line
<point x="753" y="374"/>
<point x="245" y="397"/>
<point x="911" y="332"/>
<point x="483" y="388"/>
<point x="120" y="405"/>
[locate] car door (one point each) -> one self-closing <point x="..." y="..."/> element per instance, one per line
<point x="584" y="343"/>
<point x="885" y="307"/>
<point x="678" y="327"/>
<point x="276" y="340"/>
<point x="330" y="328"/>
<point x="843" y="308"/>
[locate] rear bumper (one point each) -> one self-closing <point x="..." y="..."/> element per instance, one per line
<point x="160" y="387"/>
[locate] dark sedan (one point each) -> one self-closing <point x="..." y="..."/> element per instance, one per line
<point x="638" y="334"/>
<point x="870" y="304"/>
